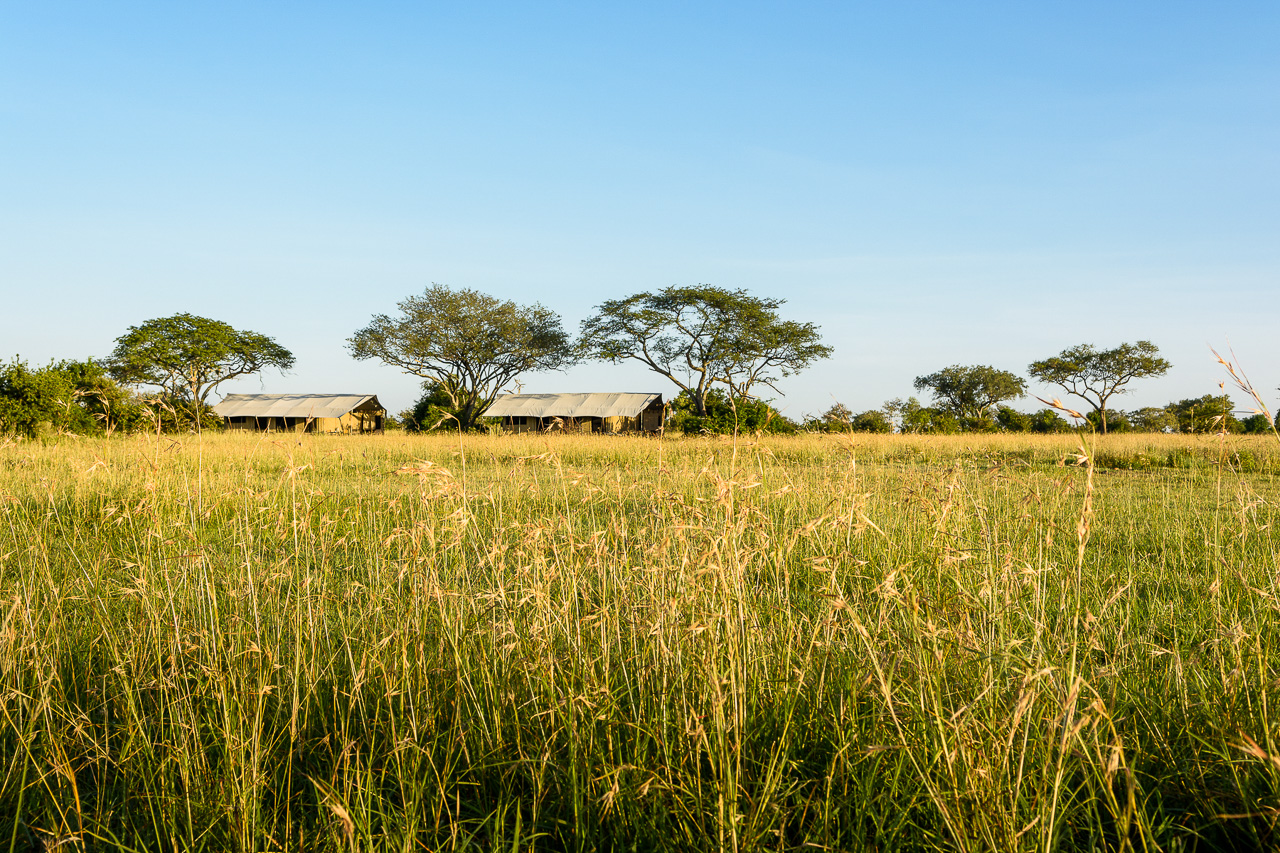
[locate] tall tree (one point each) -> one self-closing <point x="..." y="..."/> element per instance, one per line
<point x="469" y="344"/>
<point x="701" y="336"/>
<point x="1095" y="376"/>
<point x="188" y="357"/>
<point x="971" y="392"/>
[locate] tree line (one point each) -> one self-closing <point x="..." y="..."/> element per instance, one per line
<point x="722" y="349"/>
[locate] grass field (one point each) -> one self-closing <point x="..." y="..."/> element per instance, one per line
<point x="232" y="642"/>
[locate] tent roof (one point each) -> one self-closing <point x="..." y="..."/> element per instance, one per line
<point x="292" y="405"/>
<point x="571" y="405"/>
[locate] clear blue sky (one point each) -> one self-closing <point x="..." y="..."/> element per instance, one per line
<point x="931" y="183"/>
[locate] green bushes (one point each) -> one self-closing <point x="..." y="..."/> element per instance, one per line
<point x="727" y="415"/>
<point x="70" y="396"/>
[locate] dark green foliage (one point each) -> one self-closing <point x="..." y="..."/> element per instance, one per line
<point x="872" y="420"/>
<point x="727" y="415"/>
<point x="1095" y="376"/>
<point x="1256" y="424"/>
<point x="700" y="337"/>
<point x="1210" y="413"/>
<point x="187" y="357"/>
<point x="1153" y="419"/>
<point x="32" y="401"/>
<point x="467" y="344"/>
<point x="1049" y="421"/>
<point x="1012" y="420"/>
<point x="1116" y="421"/>
<point x="1043" y="421"/>
<point x="72" y="396"/>
<point x="840" y="419"/>
<point x="433" y="410"/>
<point x="969" y="393"/>
<point x="927" y="420"/>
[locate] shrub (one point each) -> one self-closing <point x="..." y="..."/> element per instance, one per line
<point x="1116" y="422"/>
<point x="72" y="396"/>
<point x="872" y="420"/>
<point x="1049" y="421"/>
<point x="723" y="414"/>
<point x="1012" y="420"/>
<point x="1256" y="424"/>
<point x="433" y="410"/>
<point x="1211" y="413"/>
<point x="1153" y="419"/>
<point x="928" y="420"/>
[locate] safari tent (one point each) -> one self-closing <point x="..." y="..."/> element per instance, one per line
<point x="329" y="413"/>
<point x="607" y="413"/>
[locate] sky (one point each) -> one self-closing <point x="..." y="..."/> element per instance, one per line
<point x="929" y="183"/>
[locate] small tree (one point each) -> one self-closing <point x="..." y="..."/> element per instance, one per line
<point x="969" y="393"/>
<point x="1095" y="376"/>
<point x="187" y="357"/>
<point x="469" y="344"/>
<point x="701" y="336"/>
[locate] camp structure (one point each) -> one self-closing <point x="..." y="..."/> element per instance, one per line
<point x="607" y="413"/>
<point x="331" y="413"/>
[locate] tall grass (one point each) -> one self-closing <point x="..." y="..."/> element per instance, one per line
<point x="882" y="643"/>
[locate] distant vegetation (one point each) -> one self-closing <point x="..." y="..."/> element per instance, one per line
<point x="720" y="348"/>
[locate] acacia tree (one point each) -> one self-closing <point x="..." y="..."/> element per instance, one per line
<point x="469" y="344"/>
<point x="1095" y="376"/>
<point x="187" y="356"/>
<point x="701" y="336"/>
<point x="971" y="392"/>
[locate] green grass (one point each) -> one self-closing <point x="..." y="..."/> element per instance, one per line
<point x="879" y="643"/>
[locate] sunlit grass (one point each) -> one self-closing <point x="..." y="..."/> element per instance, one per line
<point x="542" y="642"/>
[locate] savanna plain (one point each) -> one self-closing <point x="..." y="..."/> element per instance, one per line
<point x="879" y="643"/>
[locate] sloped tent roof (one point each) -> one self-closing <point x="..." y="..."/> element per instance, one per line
<point x="571" y="405"/>
<point x="293" y="405"/>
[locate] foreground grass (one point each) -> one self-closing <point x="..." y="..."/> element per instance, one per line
<point x="231" y="642"/>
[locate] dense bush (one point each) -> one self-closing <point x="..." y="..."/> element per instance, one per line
<point x="1116" y="421"/>
<point x="725" y="415"/>
<point x="1153" y="419"/>
<point x="872" y="420"/>
<point x="1210" y="413"/>
<point x="433" y="410"/>
<point x="928" y="420"/>
<point x="69" y="396"/>
<point x="839" y="418"/>
<point x="1255" y="424"/>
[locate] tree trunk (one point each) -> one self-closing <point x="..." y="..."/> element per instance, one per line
<point x="466" y="416"/>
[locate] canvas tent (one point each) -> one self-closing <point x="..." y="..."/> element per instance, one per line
<point x="332" y="413"/>
<point x="578" y="412"/>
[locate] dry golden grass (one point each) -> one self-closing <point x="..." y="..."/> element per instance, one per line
<point x="543" y="642"/>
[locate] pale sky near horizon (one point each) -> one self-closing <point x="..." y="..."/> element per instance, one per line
<point x="931" y="183"/>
